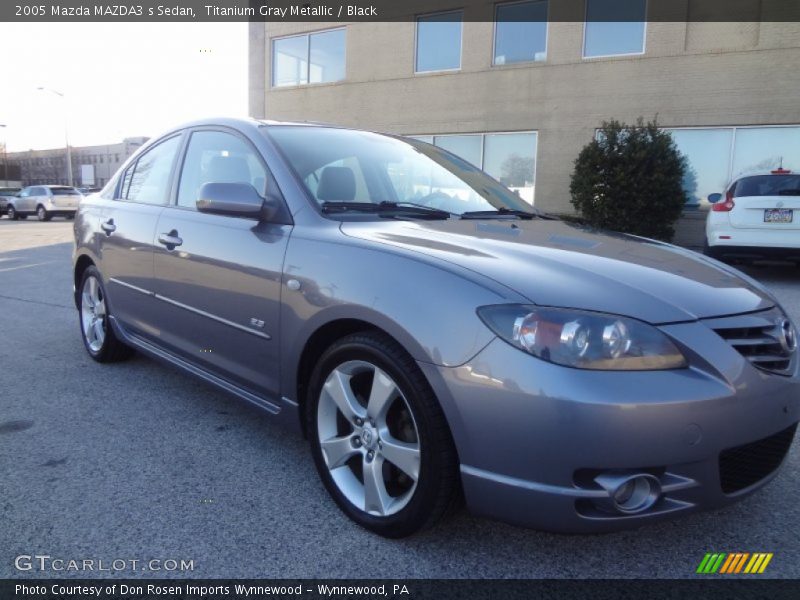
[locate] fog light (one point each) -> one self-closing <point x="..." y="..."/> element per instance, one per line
<point x="631" y="494"/>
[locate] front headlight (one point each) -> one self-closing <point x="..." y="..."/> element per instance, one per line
<point x="585" y="340"/>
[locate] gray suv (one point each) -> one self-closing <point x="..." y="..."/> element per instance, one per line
<point x="44" y="201"/>
<point x="432" y="334"/>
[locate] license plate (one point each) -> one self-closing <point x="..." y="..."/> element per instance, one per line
<point x="778" y="215"/>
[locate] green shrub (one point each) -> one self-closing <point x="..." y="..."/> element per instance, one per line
<point x="629" y="179"/>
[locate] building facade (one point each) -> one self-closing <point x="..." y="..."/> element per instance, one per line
<point x="92" y="166"/>
<point x="518" y="95"/>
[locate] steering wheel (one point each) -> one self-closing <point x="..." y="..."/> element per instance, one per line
<point x="435" y="200"/>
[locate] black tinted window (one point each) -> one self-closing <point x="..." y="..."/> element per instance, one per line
<point x="65" y="192"/>
<point x="150" y="176"/>
<point x="218" y="157"/>
<point x="768" y="185"/>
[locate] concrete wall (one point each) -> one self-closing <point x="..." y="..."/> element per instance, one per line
<point x="692" y="74"/>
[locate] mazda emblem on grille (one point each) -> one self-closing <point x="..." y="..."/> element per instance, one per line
<point x="787" y="336"/>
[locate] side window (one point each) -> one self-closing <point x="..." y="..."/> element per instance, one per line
<point x="218" y="157"/>
<point x="25" y="193"/>
<point x="149" y="177"/>
<point x="340" y="181"/>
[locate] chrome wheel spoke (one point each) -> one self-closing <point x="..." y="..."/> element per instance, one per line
<point x="97" y="327"/>
<point x="338" y="451"/>
<point x="86" y="300"/>
<point x="338" y="388"/>
<point x="376" y="498"/>
<point x="381" y="395"/>
<point x="403" y="455"/>
<point x="100" y="309"/>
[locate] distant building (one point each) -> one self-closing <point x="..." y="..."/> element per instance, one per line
<point x="91" y="165"/>
<point x="520" y="95"/>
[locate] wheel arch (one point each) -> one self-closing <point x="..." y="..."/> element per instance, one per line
<point x="82" y="263"/>
<point x="322" y="338"/>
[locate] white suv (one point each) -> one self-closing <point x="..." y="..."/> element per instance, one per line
<point x="757" y="217"/>
<point x="44" y="201"/>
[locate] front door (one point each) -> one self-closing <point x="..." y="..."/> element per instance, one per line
<point x="218" y="278"/>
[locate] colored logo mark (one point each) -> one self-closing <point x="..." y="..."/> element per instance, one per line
<point x="734" y="562"/>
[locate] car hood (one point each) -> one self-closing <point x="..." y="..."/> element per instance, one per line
<point x="554" y="263"/>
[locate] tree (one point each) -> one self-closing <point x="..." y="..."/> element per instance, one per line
<point x="629" y="179"/>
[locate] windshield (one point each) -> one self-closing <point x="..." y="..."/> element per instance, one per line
<point x="342" y="165"/>
<point x="768" y="185"/>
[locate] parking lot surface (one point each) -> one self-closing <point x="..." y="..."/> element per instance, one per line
<point x="138" y="461"/>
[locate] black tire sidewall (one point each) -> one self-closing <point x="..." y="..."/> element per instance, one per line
<point x="100" y="354"/>
<point x="416" y="513"/>
<point x="12" y="213"/>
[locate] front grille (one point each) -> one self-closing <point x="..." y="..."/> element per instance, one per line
<point x="757" y="337"/>
<point x="743" y="466"/>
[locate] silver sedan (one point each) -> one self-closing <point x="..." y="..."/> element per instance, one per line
<point x="435" y="336"/>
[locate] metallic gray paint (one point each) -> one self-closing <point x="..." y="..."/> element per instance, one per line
<point x="522" y="426"/>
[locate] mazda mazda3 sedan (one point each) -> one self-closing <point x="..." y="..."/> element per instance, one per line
<point x="432" y="334"/>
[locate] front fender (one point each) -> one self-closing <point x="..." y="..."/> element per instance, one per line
<point x="427" y="308"/>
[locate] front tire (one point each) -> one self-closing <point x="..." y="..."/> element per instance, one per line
<point x="379" y="438"/>
<point x="42" y="214"/>
<point x="12" y="213"/>
<point x="98" y="336"/>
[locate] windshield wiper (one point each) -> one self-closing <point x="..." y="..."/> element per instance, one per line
<point x="503" y="212"/>
<point x="387" y="209"/>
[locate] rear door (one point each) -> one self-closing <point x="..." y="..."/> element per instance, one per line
<point x="129" y="224"/>
<point x="768" y="202"/>
<point x="26" y="202"/>
<point x="219" y="289"/>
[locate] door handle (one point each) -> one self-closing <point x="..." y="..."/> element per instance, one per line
<point x="170" y="240"/>
<point x="108" y="227"/>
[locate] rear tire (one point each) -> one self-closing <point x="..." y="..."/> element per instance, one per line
<point x="96" y="331"/>
<point x="42" y="214"/>
<point x="390" y="464"/>
<point x="712" y="252"/>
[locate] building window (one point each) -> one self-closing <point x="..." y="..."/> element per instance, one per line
<point x="468" y="147"/>
<point x="439" y="42"/>
<point x="716" y="155"/>
<point x="520" y="33"/>
<point x="309" y="58"/>
<point x="508" y="157"/>
<point x="614" y="27"/>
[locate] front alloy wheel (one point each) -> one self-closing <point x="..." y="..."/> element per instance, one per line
<point x="12" y="213"/>
<point x="368" y="438"/>
<point x="379" y="438"/>
<point x="98" y="336"/>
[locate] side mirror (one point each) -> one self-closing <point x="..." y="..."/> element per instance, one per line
<point x="714" y="198"/>
<point x="235" y="200"/>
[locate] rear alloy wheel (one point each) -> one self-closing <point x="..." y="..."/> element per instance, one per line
<point x="12" y="213"/>
<point x="42" y="214"/>
<point x="98" y="335"/>
<point x="379" y="438"/>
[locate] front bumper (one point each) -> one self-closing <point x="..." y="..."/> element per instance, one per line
<point x="532" y="436"/>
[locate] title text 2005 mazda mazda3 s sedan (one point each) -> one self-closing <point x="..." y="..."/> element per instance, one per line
<point x="432" y="333"/>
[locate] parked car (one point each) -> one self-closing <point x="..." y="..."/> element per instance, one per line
<point x="88" y="190"/>
<point x="44" y="201"/>
<point x="428" y="341"/>
<point x="758" y="217"/>
<point x="5" y="194"/>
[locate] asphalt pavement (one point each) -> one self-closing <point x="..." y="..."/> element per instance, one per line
<point x="136" y="461"/>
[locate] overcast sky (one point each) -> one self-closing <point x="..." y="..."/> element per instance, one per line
<point x="119" y="79"/>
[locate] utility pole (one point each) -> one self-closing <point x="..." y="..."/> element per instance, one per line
<point x="66" y="131"/>
<point x="5" y="156"/>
